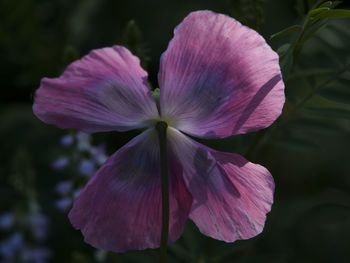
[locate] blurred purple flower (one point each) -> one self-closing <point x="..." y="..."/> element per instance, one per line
<point x="64" y="204"/>
<point x="10" y="246"/>
<point x="83" y="139"/>
<point x="7" y="220"/>
<point x="99" y="154"/>
<point x="64" y="187"/>
<point x="217" y="78"/>
<point x="87" y="167"/>
<point x="77" y="192"/>
<point x="67" y="140"/>
<point x="60" y="163"/>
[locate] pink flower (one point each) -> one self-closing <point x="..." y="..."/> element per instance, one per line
<point x="217" y="78"/>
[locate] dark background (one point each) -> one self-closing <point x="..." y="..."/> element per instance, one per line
<point x="306" y="150"/>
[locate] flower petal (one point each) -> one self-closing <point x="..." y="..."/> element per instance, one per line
<point x="219" y="78"/>
<point x="120" y="208"/>
<point x="231" y="196"/>
<point x="105" y="90"/>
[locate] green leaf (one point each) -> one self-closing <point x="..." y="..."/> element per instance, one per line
<point x="317" y="11"/>
<point x="336" y="94"/>
<point x="282" y="50"/>
<point x="330" y="112"/>
<point x="312" y="30"/>
<point x="133" y="41"/>
<point x="132" y="35"/>
<point x="333" y="13"/>
<point x="286" y="62"/>
<point x="286" y="31"/>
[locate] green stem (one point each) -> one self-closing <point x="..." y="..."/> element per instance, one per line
<point x="161" y="128"/>
<point x="320" y="87"/>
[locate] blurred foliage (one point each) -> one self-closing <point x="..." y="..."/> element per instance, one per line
<point x="248" y="12"/>
<point x="133" y="41"/>
<point x="306" y="149"/>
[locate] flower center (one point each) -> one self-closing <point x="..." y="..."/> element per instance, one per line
<point x="166" y="119"/>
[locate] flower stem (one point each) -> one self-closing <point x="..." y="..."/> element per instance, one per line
<point x="161" y="128"/>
